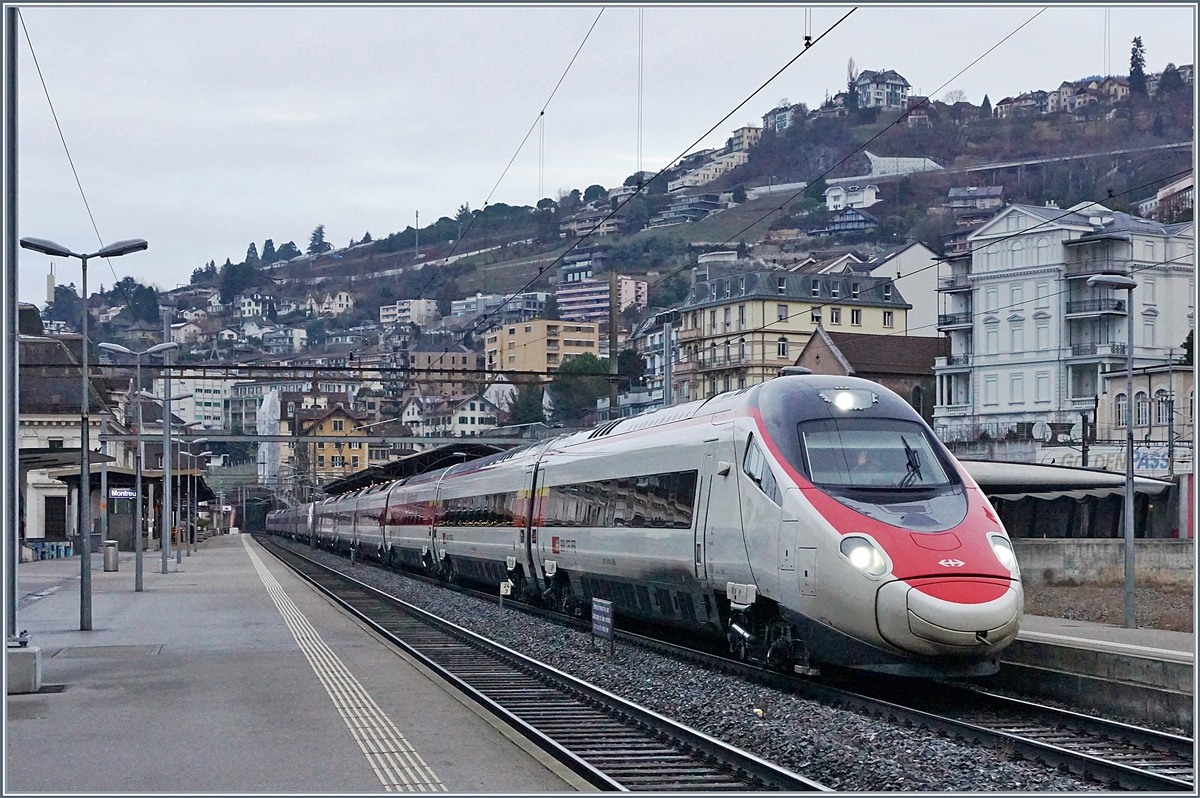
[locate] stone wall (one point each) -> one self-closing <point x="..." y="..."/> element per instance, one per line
<point x="1164" y="563"/>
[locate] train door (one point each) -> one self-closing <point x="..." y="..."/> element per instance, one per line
<point x="722" y="550"/>
<point x="528" y="536"/>
<point x="703" y="505"/>
<point x="762" y="510"/>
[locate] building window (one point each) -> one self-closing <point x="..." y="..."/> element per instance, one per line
<point x="854" y="290"/>
<point x="887" y="293"/>
<point x="991" y="299"/>
<point x="1143" y="408"/>
<point x="781" y="314"/>
<point x="1148" y="291"/>
<point x="742" y="286"/>
<point x="742" y="349"/>
<point x="1017" y="338"/>
<point x="1122" y="413"/>
<point x="354" y="461"/>
<point x="712" y="322"/>
<point x="728" y="348"/>
<point x="1162" y="402"/>
<point x="320" y="461"/>
<point x="855" y="317"/>
<point x="782" y="285"/>
<point x="741" y="317"/>
<point x="1042" y="386"/>
<point x="1148" y="332"/>
<point x="728" y="319"/>
<point x="991" y="390"/>
<point x="816" y="288"/>
<point x="835" y="315"/>
<point x="816" y="315"/>
<point x="889" y="318"/>
<point x="835" y="289"/>
<point x="992" y="339"/>
<point x="1016" y="389"/>
<point x="1017" y="294"/>
<point x="337" y="461"/>
<point x="781" y="347"/>
<point x="1043" y="337"/>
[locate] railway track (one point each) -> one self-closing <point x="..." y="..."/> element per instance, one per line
<point x="611" y="743"/>
<point x="1117" y="754"/>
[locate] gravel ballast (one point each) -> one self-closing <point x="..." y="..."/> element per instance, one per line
<point x="843" y="749"/>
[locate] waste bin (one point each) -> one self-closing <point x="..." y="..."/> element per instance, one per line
<point x="110" y="555"/>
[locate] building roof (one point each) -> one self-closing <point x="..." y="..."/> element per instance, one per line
<point x="972" y="192"/>
<point x="867" y="353"/>
<point x="49" y="384"/>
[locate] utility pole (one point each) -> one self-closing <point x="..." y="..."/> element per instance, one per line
<point x="103" y="479"/>
<point x="1084" y="416"/>
<point x="417" y="239"/>
<point x="166" y="422"/>
<point x="612" y="345"/>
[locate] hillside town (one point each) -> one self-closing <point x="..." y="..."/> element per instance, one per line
<point x="989" y="329"/>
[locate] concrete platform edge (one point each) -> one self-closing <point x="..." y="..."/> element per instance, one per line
<point x="551" y="764"/>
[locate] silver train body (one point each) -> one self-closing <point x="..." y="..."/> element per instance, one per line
<point x="808" y="520"/>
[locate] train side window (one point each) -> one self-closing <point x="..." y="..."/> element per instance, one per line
<point x="759" y="470"/>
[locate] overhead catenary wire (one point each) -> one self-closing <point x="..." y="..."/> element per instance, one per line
<point x="539" y="120"/>
<point x="903" y="116"/>
<point x="87" y="206"/>
<point x="644" y="184"/>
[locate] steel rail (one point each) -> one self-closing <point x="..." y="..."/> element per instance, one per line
<point x="612" y="743"/>
<point x="1056" y="737"/>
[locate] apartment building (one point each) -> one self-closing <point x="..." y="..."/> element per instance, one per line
<point x="207" y="401"/>
<point x="587" y="299"/>
<point x="328" y="460"/>
<point x="539" y="345"/>
<point x="1030" y="339"/>
<point x="501" y="307"/>
<point x="739" y="330"/>
<point x="458" y="417"/>
<point x="887" y="90"/>
<point x="422" y="312"/>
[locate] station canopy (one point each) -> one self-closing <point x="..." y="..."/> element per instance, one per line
<point x="1015" y="481"/>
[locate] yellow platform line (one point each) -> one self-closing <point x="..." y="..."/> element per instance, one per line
<point x="391" y="756"/>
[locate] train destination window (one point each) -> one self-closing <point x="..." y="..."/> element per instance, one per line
<point x="653" y="500"/>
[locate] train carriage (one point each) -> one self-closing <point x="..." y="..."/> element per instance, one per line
<point x="807" y="519"/>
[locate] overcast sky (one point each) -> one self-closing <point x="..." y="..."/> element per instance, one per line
<point x="203" y="129"/>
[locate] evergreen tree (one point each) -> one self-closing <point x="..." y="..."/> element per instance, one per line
<point x="1170" y="81"/>
<point x="288" y="251"/>
<point x="317" y="243"/>
<point x="1137" y="67"/>
<point x="577" y="385"/>
<point x="550" y="311"/>
<point x="527" y="405"/>
<point x="595" y="192"/>
<point x="985" y="110"/>
<point x="1187" y="349"/>
<point x="851" y="85"/>
<point x="252" y="255"/>
<point x="268" y="254"/>
<point x="366" y="239"/>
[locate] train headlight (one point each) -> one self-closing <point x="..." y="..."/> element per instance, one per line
<point x="864" y="556"/>
<point x="1004" y="552"/>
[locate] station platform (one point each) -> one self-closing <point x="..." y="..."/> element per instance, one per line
<point x="231" y="675"/>
<point x="1138" y="675"/>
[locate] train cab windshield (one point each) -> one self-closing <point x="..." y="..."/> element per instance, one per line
<point x="887" y="469"/>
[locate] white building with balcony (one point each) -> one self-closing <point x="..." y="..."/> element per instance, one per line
<point x="1030" y="339"/>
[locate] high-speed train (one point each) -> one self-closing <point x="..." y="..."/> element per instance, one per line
<point x="808" y="520"/>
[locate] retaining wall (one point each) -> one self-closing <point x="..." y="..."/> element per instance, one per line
<point x="1163" y="563"/>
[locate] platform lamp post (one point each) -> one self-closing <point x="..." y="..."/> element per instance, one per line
<point x="179" y="516"/>
<point x="191" y="507"/>
<point x="166" y="470"/>
<point x="47" y="247"/>
<point x="138" y="582"/>
<point x="1116" y="281"/>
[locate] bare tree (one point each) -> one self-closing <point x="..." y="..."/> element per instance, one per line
<point x="851" y="71"/>
<point x="955" y="96"/>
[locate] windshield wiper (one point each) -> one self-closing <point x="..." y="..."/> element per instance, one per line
<point x="914" y="464"/>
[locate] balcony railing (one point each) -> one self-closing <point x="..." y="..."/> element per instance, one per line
<point x="955" y="282"/>
<point x="958" y="360"/>
<point x="1097" y="266"/>
<point x="953" y="319"/>
<point x="1081" y="350"/>
<point x="1096" y="306"/>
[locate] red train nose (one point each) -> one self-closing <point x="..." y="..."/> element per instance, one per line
<point x="939" y="616"/>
